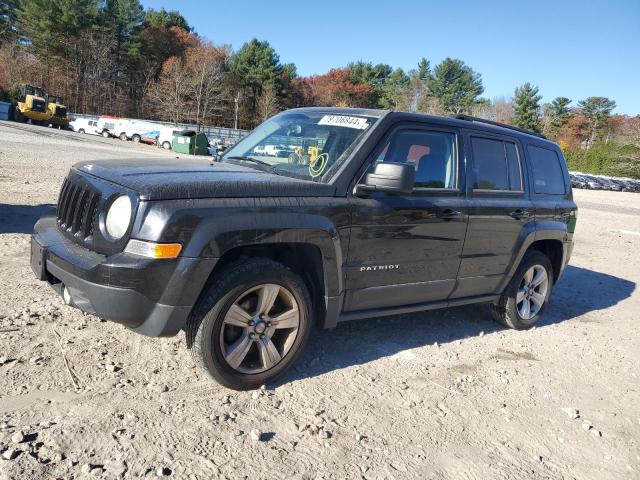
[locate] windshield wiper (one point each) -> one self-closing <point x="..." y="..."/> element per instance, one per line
<point x="250" y="159"/>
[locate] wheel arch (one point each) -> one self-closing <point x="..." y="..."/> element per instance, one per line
<point x="551" y="242"/>
<point x="305" y="259"/>
<point x="553" y="249"/>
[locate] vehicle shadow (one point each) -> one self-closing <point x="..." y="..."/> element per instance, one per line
<point x="21" y="218"/>
<point x="579" y="292"/>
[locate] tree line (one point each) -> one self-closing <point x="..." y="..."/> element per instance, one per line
<point x="115" y="57"/>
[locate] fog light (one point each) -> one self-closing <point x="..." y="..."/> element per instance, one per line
<point x="152" y="249"/>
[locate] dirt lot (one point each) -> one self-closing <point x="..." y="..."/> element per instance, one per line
<point x="434" y="395"/>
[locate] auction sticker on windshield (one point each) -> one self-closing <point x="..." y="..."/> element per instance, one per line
<point x="344" y="121"/>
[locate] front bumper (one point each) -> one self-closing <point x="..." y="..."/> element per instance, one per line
<point x="151" y="297"/>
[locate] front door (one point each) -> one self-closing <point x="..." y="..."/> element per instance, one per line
<point x="406" y="249"/>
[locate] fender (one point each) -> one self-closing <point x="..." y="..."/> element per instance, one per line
<point x="532" y="232"/>
<point x="211" y="227"/>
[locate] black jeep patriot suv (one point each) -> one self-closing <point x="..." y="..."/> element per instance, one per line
<point x="320" y="215"/>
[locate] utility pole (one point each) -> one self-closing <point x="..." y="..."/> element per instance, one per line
<point x="237" y="100"/>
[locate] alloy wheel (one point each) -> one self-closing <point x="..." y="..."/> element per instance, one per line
<point x="259" y="328"/>
<point x="532" y="292"/>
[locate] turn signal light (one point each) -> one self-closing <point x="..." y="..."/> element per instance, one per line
<point x="152" y="249"/>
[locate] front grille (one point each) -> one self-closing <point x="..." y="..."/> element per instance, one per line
<point x="61" y="112"/>
<point x="37" y="105"/>
<point x="77" y="209"/>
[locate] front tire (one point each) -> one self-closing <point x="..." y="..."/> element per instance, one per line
<point x="526" y="296"/>
<point x="123" y="137"/>
<point x="105" y="134"/>
<point x="136" y="138"/>
<point x="166" y="145"/>
<point x="18" y="117"/>
<point x="250" y="324"/>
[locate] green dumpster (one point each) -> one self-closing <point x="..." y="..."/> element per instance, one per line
<point x="189" y="141"/>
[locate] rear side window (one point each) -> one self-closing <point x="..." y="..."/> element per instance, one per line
<point x="496" y="165"/>
<point x="547" y="171"/>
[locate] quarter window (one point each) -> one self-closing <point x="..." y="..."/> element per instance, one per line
<point x="432" y="153"/>
<point x="496" y="165"/>
<point x="547" y="172"/>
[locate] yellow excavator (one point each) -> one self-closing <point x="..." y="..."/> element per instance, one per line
<point x="57" y="111"/>
<point x="31" y="104"/>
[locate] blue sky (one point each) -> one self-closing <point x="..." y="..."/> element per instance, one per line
<point x="568" y="48"/>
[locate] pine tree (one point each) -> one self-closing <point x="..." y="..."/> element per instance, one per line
<point x="455" y="85"/>
<point x="559" y="112"/>
<point x="51" y="26"/>
<point x="8" y="21"/>
<point x="527" y="107"/>
<point x="394" y="89"/>
<point x="254" y="67"/>
<point x="597" y="111"/>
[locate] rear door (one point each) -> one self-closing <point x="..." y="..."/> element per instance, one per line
<point x="405" y="249"/>
<point x="500" y="212"/>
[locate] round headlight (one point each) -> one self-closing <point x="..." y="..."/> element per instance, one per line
<point x="118" y="217"/>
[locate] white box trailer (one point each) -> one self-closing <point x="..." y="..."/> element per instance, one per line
<point x="136" y="131"/>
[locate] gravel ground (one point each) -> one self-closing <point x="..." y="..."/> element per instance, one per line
<point x="436" y="395"/>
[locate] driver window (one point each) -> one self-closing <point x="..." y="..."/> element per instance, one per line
<point x="433" y="155"/>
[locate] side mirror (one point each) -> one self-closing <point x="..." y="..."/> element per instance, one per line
<point x="389" y="177"/>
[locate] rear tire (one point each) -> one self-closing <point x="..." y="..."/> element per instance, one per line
<point x="123" y="137"/>
<point x="238" y="331"/>
<point x="105" y="134"/>
<point x="526" y="296"/>
<point x="136" y="138"/>
<point x="166" y="145"/>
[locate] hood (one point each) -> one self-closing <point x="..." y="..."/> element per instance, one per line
<point x="170" y="179"/>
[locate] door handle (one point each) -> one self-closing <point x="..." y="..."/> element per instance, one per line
<point x="449" y="214"/>
<point x="520" y="214"/>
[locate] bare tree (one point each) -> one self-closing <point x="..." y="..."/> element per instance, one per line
<point x="170" y="96"/>
<point x="206" y="65"/>
<point x="268" y="103"/>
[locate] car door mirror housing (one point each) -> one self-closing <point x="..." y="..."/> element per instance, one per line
<point x="388" y="177"/>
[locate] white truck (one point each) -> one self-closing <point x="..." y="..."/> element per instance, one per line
<point x="84" y="125"/>
<point x="105" y="125"/>
<point x="165" y="138"/>
<point x="269" y="150"/>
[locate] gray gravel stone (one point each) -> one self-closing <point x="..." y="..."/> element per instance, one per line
<point x="10" y="454"/>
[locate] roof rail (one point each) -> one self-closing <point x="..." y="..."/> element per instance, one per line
<point x="462" y="116"/>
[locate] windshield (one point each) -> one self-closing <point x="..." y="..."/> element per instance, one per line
<point x="303" y="145"/>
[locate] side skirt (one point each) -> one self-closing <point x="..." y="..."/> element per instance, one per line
<point x="331" y="322"/>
